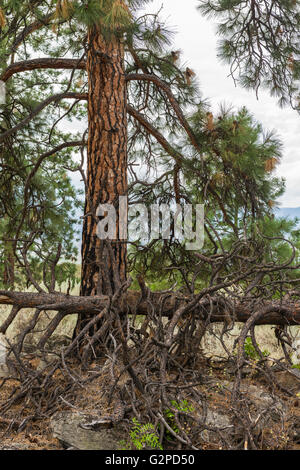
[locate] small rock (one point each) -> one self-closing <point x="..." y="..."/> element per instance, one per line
<point x="4" y="371"/>
<point x="13" y="447"/>
<point x="66" y="426"/>
<point x="216" y="420"/>
<point x="295" y="357"/>
<point x="289" y="379"/>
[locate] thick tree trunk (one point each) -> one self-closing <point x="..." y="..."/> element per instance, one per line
<point x="104" y="262"/>
<point x="103" y="269"/>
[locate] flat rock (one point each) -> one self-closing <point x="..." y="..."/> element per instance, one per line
<point x="66" y="427"/>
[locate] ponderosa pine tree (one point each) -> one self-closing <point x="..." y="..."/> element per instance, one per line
<point x="109" y="28"/>
<point x="100" y="77"/>
<point x="131" y="97"/>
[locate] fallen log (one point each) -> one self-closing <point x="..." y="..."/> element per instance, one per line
<point x="133" y="303"/>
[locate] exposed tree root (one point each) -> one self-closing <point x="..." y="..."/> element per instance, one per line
<point x="153" y="363"/>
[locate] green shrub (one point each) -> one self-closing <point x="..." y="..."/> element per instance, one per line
<point x="251" y="352"/>
<point x="142" y="436"/>
<point x="183" y="406"/>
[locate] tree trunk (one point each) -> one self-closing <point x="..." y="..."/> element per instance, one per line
<point x="106" y="162"/>
<point x="104" y="262"/>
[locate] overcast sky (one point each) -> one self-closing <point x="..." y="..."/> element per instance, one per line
<point x="197" y="39"/>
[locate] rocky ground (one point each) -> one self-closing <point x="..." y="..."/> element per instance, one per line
<point x="84" y="420"/>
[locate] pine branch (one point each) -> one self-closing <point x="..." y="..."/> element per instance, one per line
<point x="43" y="63"/>
<point x="155" y="133"/>
<point x="39" y="108"/>
<point x="161" y="84"/>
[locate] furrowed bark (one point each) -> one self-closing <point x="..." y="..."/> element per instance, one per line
<point x="104" y="263"/>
